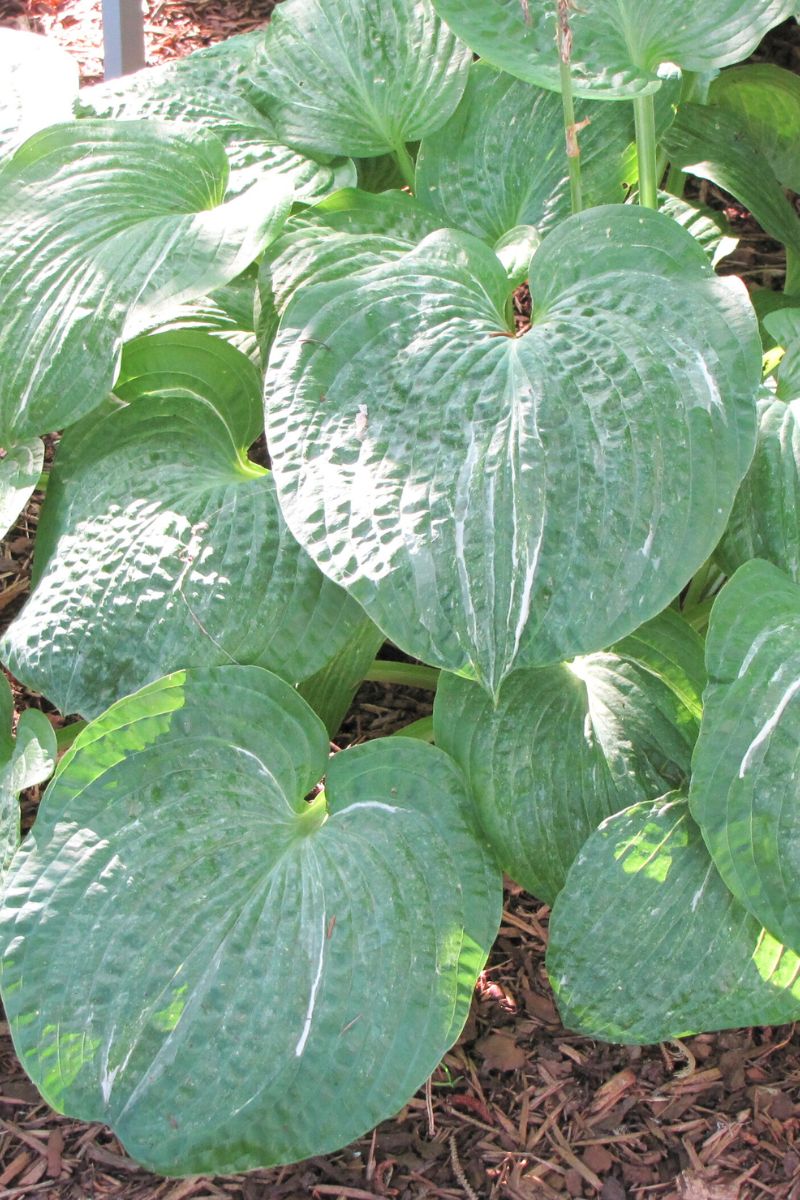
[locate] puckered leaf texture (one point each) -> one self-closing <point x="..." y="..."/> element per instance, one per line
<point x="320" y="958"/>
<point x="497" y="502"/>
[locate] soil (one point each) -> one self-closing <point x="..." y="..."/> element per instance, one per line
<point x="520" y="1108"/>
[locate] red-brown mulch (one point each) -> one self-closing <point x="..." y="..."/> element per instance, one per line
<point x="172" y="28"/>
<point x="520" y="1108"/>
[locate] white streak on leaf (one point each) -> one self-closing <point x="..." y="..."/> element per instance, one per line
<point x="758" y="642"/>
<point x="369" y="804"/>
<point x="312" y="999"/>
<point x="698" y="896"/>
<point x="107" y="1077"/>
<point x="768" y="727"/>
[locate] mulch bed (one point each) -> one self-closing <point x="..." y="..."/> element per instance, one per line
<point x="520" y="1108"/>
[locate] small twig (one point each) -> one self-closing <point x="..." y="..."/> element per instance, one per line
<point x="429" y="1106"/>
<point x="458" y="1170"/>
<point x="371" y="1159"/>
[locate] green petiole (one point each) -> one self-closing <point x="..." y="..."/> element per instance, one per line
<point x="403" y="674"/>
<point x="406" y="164"/>
<point x="66" y="735"/>
<point x="644" y="114"/>
<point x="564" y="39"/>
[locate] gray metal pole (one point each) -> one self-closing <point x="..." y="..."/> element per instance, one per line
<point x="123" y="37"/>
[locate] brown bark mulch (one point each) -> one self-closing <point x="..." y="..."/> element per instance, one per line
<point x="520" y="1108"/>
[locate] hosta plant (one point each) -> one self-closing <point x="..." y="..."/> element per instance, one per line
<point x="584" y="524"/>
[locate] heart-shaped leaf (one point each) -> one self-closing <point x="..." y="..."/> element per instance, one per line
<point x="327" y="952"/>
<point x="744" y="792"/>
<point x="20" y="468"/>
<point x="208" y="89"/>
<point x="161" y="546"/>
<point x="767" y="99"/>
<point x="617" y="45"/>
<point x="566" y="746"/>
<point x="646" y="942"/>
<point x="103" y="224"/>
<point x="40" y="83"/>
<point x="765" y="522"/>
<point x="25" y="760"/>
<point x="358" y="77"/>
<point x="497" y="502"/>
<point x="500" y="160"/>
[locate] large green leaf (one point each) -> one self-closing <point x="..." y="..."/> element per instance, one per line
<point x="765" y="522"/>
<point x="25" y="760"/>
<point x="767" y="98"/>
<point x="358" y="77"/>
<point x="500" y="160"/>
<point x="20" y="469"/>
<point x="714" y="144"/>
<point x="617" y="45"/>
<point x="346" y="233"/>
<point x="647" y="943"/>
<point x="161" y="546"/>
<point x="208" y="89"/>
<point x="566" y="746"/>
<point x="103" y="225"/>
<point x="497" y="502"/>
<point x="40" y="82"/>
<point x="319" y="958"/>
<point x="744" y="790"/>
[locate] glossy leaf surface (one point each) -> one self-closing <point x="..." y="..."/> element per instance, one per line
<point x="103" y="224"/>
<point x="208" y="89"/>
<point x="358" y="77"/>
<point x="478" y="493"/>
<point x="345" y="234"/>
<point x="228" y="312"/>
<point x="327" y="952"/>
<point x="567" y="746"/>
<point x="617" y="45"/>
<point x="162" y="546"/>
<point x="744" y="790"/>
<point x="647" y="943"/>
<point x="500" y="160"/>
